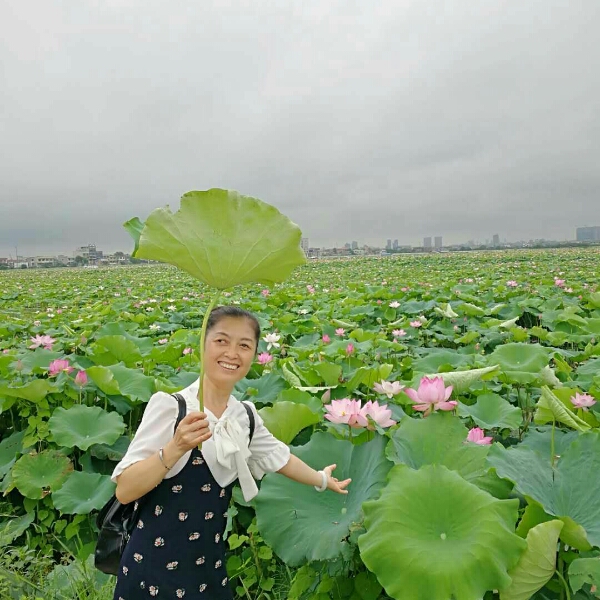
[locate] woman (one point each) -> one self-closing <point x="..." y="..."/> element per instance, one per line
<point x="177" y="548"/>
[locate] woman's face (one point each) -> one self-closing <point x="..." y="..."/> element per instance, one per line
<point x="229" y="351"/>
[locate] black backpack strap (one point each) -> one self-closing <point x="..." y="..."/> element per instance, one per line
<point x="182" y="409"/>
<point x="252" y="421"/>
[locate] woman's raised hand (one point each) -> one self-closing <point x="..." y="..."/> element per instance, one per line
<point x="334" y="484"/>
<point x="191" y="432"/>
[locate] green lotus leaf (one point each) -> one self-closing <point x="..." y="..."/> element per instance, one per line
<point x="34" y="391"/>
<point x="549" y="408"/>
<point x="534" y="476"/>
<point x="265" y="389"/>
<point x="435" y="358"/>
<point x="547" y="376"/>
<point x="112" y="349"/>
<point x="11" y="530"/>
<point x="432" y="534"/>
<point x="537" y="564"/>
<point x="37" y="361"/>
<point x="104" y="379"/>
<point x="492" y="411"/>
<point x="584" y="570"/>
<point x="302" y="525"/>
<point x="83" y="426"/>
<point x="299" y="397"/>
<point x="9" y="448"/>
<point x="285" y="420"/>
<point x="471" y="309"/>
<point x="114" y="452"/>
<point x="36" y="475"/>
<point x="520" y="358"/>
<point x="221" y="238"/>
<point x="437" y="440"/>
<point x="463" y="380"/>
<point x="83" y="492"/>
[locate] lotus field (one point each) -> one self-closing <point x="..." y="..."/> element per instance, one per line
<point x="458" y="391"/>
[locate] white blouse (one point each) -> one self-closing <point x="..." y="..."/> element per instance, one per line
<point x="226" y="453"/>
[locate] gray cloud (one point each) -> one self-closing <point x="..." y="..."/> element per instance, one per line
<point x="361" y="121"/>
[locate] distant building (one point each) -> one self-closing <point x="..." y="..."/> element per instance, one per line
<point x="438" y="242"/>
<point x="354" y="245"/>
<point x="304" y="245"/>
<point x="495" y="240"/>
<point x="38" y="262"/>
<point x="388" y="246"/>
<point x="89" y="252"/>
<point x="588" y="234"/>
<point x="427" y="242"/>
<point x="395" y="245"/>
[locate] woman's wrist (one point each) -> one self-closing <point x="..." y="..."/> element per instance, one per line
<point x="170" y="455"/>
<point x="323" y="480"/>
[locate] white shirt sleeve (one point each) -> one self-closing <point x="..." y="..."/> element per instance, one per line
<point x="268" y="454"/>
<point x="154" y="432"/>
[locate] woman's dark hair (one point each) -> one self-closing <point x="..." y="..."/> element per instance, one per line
<point x="221" y="312"/>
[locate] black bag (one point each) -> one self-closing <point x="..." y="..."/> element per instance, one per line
<point x="116" y="521"/>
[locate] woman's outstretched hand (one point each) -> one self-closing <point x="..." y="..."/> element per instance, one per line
<point x="191" y="432"/>
<point x="334" y="484"/>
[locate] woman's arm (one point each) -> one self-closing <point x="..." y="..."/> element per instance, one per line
<point x="299" y="471"/>
<point x="144" y="475"/>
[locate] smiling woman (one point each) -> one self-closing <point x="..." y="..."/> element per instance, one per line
<point x="183" y="492"/>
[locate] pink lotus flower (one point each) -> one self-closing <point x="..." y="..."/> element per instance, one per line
<point x="416" y="324"/>
<point x="59" y="366"/>
<point x="380" y="414"/>
<point x="163" y="341"/>
<point x="389" y="388"/>
<point x="512" y="283"/>
<point x="477" y="436"/>
<point x="559" y="282"/>
<point x="350" y="349"/>
<point x="583" y="401"/>
<point x="81" y="378"/>
<point x="340" y="331"/>
<point x="432" y="395"/>
<point x="187" y="351"/>
<point x="311" y="289"/>
<point x="265" y="293"/>
<point x="343" y="411"/>
<point x="398" y="333"/>
<point x="326" y="339"/>
<point x="264" y="358"/>
<point x="42" y="340"/>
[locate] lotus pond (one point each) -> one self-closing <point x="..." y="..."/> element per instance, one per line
<point x="473" y="444"/>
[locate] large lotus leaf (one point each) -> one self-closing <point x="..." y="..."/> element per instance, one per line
<point x="221" y="238"/>
<point x="285" y="420"/>
<point x="122" y="328"/>
<point x="437" y="440"/>
<point x="432" y="534"/>
<point x="463" y="380"/>
<point x="302" y="525"/>
<point x="584" y="570"/>
<point x="549" y="408"/>
<point x="83" y="492"/>
<point x="554" y="488"/>
<point x="265" y="389"/>
<point x="537" y="564"/>
<point x="520" y="358"/>
<point x="36" y="475"/>
<point x="119" y="379"/>
<point x="9" y="448"/>
<point x="114" y="452"/>
<point x="34" y="391"/>
<point x="491" y="410"/>
<point x="83" y="426"/>
<point x="111" y="349"/>
<point x="436" y="357"/>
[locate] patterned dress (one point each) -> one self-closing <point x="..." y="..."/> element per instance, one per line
<point x="177" y="548"/>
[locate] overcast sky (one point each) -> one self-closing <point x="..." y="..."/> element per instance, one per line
<point x="360" y="120"/>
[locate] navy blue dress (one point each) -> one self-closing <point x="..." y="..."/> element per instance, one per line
<point x="177" y="549"/>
